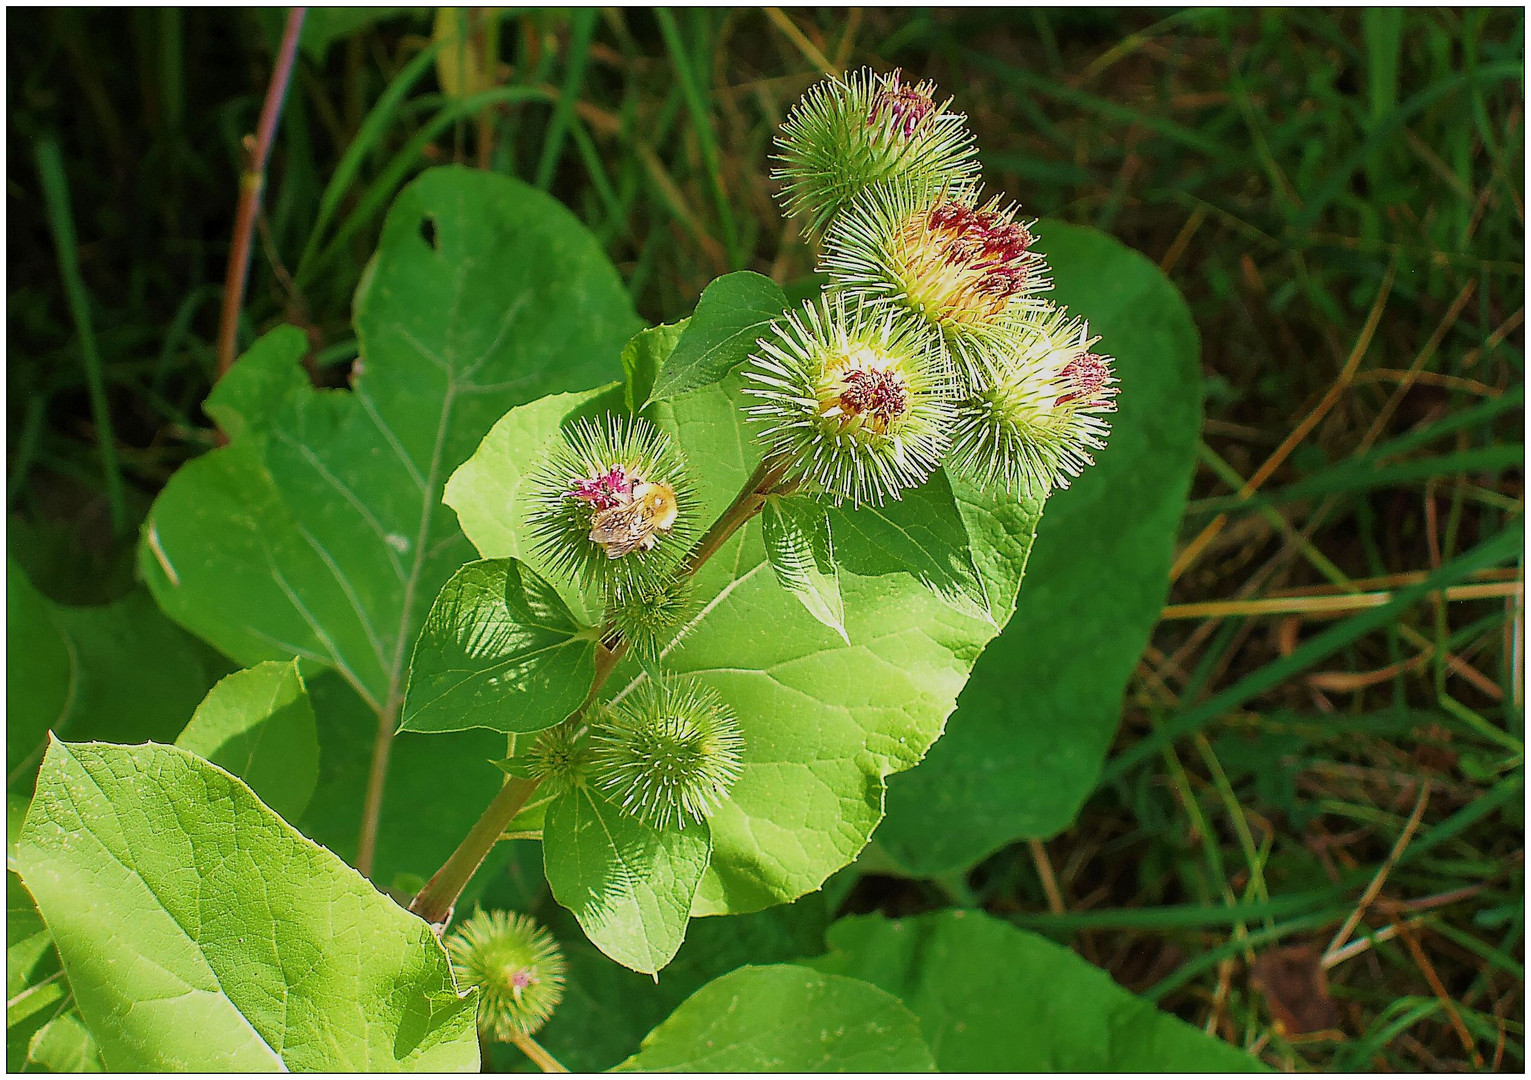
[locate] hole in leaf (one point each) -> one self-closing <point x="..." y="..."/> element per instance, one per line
<point x="428" y="234"/>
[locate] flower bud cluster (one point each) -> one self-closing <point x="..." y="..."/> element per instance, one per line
<point x="932" y="343"/>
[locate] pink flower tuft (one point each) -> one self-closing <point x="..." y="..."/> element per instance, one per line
<point x="613" y="488"/>
<point x="1086" y="377"/>
<point x="902" y="106"/>
<point x="881" y="393"/>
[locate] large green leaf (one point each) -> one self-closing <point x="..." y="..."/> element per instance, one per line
<point x="1035" y="721"/>
<point x="734" y="312"/>
<point x="824" y="722"/>
<point x="319" y="531"/>
<point x="202" y="932"/>
<point x="992" y="998"/>
<point x="118" y="671"/>
<point x="629" y="884"/>
<point x="500" y="650"/>
<point x="785" y="1018"/>
<point x="608" y="1009"/>
<point x="259" y="725"/>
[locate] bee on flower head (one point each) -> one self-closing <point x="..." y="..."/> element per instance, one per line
<point x="636" y="523"/>
<point x="967" y="270"/>
<point x="847" y="134"/>
<point x="1030" y="427"/>
<point x="857" y="402"/>
<point x="612" y="506"/>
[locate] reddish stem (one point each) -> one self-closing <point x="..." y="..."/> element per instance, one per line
<point x="251" y="182"/>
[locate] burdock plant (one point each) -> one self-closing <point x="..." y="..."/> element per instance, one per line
<point x="515" y="965"/>
<point x="853" y="403"/>
<point x="715" y="606"/>
<point x="967" y="270"/>
<point x="614" y="506"/>
<point x="1029" y="425"/>
<point x="931" y="352"/>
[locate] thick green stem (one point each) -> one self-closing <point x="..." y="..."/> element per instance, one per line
<point x="747" y="505"/>
<point x="435" y="901"/>
<point x="434" y="904"/>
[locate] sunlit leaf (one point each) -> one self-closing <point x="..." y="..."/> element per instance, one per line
<point x="629" y="884"/>
<point x="734" y="312"/>
<point x="499" y="650"/>
<point x="202" y="933"/>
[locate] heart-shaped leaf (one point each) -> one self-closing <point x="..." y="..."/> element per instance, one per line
<point x="608" y="1009"/>
<point x="629" y="884"/>
<point x="735" y="312"/>
<point x="499" y="650"/>
<point x="200" y="932"/>
<point x="785" y="1018"/>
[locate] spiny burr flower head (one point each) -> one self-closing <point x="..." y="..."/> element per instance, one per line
<point x="668" y="752"/>
<point x="559" y="757"/>
<point x="856" y="400"/>
<point x="516" y="966"/>
<point x="1031" y="427"/>
<point x="612" y="505"/>
<point x="652" y="618"/>
<point x="849" y="133"/>
<point x="969" y="271"/>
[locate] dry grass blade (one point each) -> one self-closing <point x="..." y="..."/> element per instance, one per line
<point x="1380" y="878"/>
<point x="1194" y="549"/>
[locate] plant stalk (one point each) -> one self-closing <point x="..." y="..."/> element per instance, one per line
<point x="539" y="1057"/>
<point x="251" y="183"/>
<point x="377" y="775"/>
<point x="749" y="503"/>
<point x="435" y="902"/>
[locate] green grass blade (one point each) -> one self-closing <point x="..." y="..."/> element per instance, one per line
<point x="581" y="29"/>
<point x="50" y="166"/>
<point x="369" y="135"/>
<point x="701" y="122"/>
